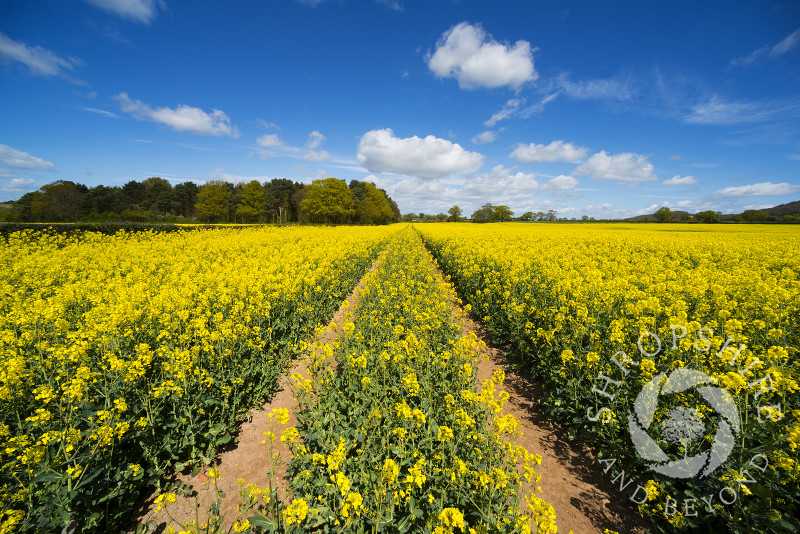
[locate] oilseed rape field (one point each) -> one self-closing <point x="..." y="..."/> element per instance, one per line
<point x="670" y="349"/>
<point x="129" y="355"/>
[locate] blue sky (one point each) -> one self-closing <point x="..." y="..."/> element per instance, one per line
<point x="606" y="109"/>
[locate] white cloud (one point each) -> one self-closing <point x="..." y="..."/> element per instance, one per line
<point x="183" y="118"/>
<point x="617" y="88"/>
<point x="763" y="189"/>
<point x="143" y="11"/>
<point x="20" y="183"/>
<point x="468" y="54"/>
<point x="514" y="108"/>
<point x="625" y="168"/>
<point x="220" y="174"/>
<point x="15" y="186"/>
<point x="605" y="206"/>
<point x="431" y="157"/>
<point x="484" y="137"/>
<point x="555" y="151"/>
<point x="718" y="110"/>
<point x="789" y="42"/>
<point x="17" y="159"/>
<point x="785" y="45"/>
<point x="267" y="125"/>
<point x="508" y="110"/>
<point x="681" y="180"/>
<point x="561" y="184"/>
<point x="313" y="155"/>
<point x="314" y="140"/>
<point x="269" y="141"/>
<point x="103" y="112"/>
<point x="40" y="61"/>
<point x="703" y="165"/>
<point x="500" y="183"/>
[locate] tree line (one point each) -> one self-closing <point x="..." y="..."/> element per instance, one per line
<point x="155" y="199"/>
<point x="753" y="216"/>
<point x="486" y="213"/>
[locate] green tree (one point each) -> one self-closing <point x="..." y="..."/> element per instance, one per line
<point x="663" y="214"/>
<point x="455" y="214"/>
<point x="185" y="197"/>
<point x="373" y="207"/>
<point x="134" y="192"/>
<point x="212" y="201"/>
<point x="359" y="189"/>
<point x="297" y="202"/>
<point x="158" y="195"/>
<point x="102" y="200"/>
<point x="755" y="215"/>
<point x="707" y="216"/>
<point x="527" y="216"/>
<point x="329" y="201"/>
<point x="251" y="201"/>
<point x="279" y="191"/>
<point x="59" y="201"/>
<point x="484" y="214"/>
<point x="394" y="206"/>
<point x="502" y="213"/>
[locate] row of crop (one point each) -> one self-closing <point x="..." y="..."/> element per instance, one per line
<point x="603" y="317"/>
<point x="394" y="434"/>
<point x="122" y="357"/>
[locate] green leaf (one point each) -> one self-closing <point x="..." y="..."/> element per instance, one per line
<point x="262" y="522"/>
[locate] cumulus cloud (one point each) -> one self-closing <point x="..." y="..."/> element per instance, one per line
<point x="626" y="168"/>
<point x="143" y="11"/>
<point x="561" y="184"/>
<point x="763" y="189"/>
<point x="681" y="180"/>
<point x="555" y="151"/>
<point x="17" y="159"/>
<point x="484" y="137"/>
<point x="183" y="118"/>
<point x="431" y="157"/>
<point x="40" y="61"/>
<point x="269" y="141"/>
<point x="471" y="56"/>
<point x="501" y="181"/>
